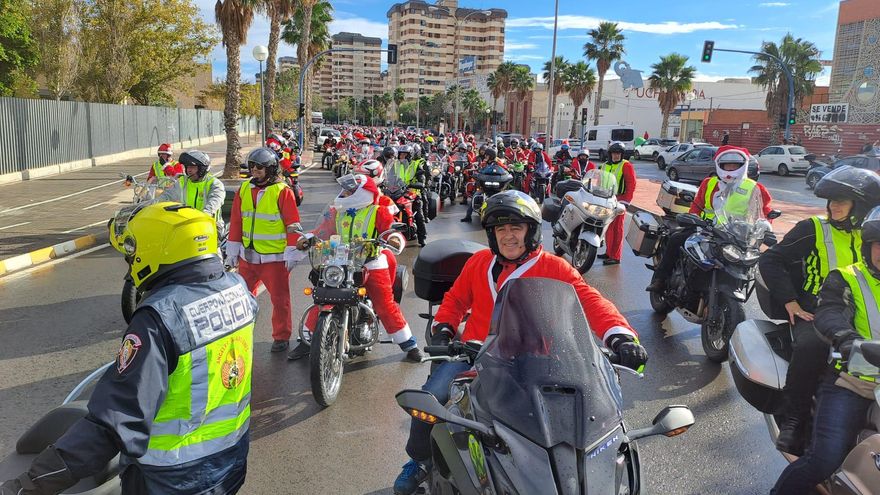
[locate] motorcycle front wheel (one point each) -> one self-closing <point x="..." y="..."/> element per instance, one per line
<point x="659" y="303"/>
<point x="325" y="360"/>
<point x="715" y="336"/>
<point x="557" y="248"/>
<point x="326" y="162"/>
<point x="131" y="296"/>
<point x="583" y="257"/>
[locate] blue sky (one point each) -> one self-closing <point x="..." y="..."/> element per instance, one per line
<point x="650" y="31"/>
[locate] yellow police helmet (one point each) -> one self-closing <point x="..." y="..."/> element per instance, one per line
<point x="163" y="236"/>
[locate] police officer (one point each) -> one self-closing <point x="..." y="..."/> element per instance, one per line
<point x="847" y="313"/>
<point x="199" y="189"/>
<point x="794" y="271"/>
<point x="176" y="404"/>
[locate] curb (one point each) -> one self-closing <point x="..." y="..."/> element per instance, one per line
<point x="42" y="255"/>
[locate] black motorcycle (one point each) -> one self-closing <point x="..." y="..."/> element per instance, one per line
<point x="540" y="412"/>
<point x="539" y="187"/>
<point x="714" y="274"/>
<point x="490" y="180"/>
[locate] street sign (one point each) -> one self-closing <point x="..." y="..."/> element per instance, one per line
<point x="829" y="113"/>
<point x="708" y="48"/>
<point x="392" y="54"/>
<point x="467" y="64"/>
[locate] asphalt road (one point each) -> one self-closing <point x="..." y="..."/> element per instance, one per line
<point x="791" y="189"/>
<point x="61" y="321"/>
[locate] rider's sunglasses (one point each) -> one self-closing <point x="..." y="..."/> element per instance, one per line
<point x="258" y="166"/>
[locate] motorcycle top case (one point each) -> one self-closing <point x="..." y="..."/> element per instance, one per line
<point x="643" y="234"/>
<point x="757" y="362"/>
<point x="439" y="264"/>
<point x="551" y="209"/>
<point x="567" y="186"/>
<point x="676" y="196"/>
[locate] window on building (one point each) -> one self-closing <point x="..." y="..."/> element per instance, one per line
<point x="605" y="104"/>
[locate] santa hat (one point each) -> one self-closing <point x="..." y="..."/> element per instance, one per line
<point x="732" y="150"/>
<point x="164" y="148"/>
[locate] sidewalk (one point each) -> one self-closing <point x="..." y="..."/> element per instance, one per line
<point x="646" y="198"/>
<point x="49" y="217"/>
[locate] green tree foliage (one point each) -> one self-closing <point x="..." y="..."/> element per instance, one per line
<point x="57" y="38"/>
<point x="605" y="46"/>
<point x="18" y="51"/>
<point x="673" y="78"/>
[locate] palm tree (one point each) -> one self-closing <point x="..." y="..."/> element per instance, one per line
<point x="398" y="96"/>
<point x="386" y="99"/>
<point x="580" y="79"/>
<point x="521" y="83"/>
<point x="494" y="86"/>
<point x="234" y="18"/>
<point x="501" y="78"/>
<point x="277" y="11"/>
<point x="672" y="77"/>
<point x="802" y="58"/>
<point x="605" y="46"/>
<point x="558" y="83"/>
<point x="471" y="101"/>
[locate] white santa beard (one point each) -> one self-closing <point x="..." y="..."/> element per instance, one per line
<point x="360" y="199"/>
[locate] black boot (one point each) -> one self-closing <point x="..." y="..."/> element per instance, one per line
<point x="466" y="219"/>
<point x="657" y="285"/>
<point x="299" y="352"/>
<point x="791" y="436"/>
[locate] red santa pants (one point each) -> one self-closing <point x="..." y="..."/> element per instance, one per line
<point x="614" y="238"/>
<point x="276" y="278"/>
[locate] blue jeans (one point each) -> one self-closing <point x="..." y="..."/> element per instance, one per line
<point x="418" y="447"/>
<point x="840" y="416"/>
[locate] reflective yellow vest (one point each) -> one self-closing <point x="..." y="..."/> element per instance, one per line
<point x="206" y="408"/>
<point x="262" y="228"/>
<point x="834" y="248"/>
<point x="866" y="299"/>
<point x="737" y="203"/>
<point x="616" y="169"/>
<point x="195" y="194"/>
<point x="360" y="223"/>
<point x="159" y="169"/>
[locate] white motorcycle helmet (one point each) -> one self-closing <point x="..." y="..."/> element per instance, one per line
<point x="372" y="169"/>
<point x="726" y="159"/>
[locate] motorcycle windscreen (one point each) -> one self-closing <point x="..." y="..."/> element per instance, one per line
<point x="394" y="185"/>
<point x="600" y="183"/>
<point x="741" y="216"/>
<point x="542" y="374"/>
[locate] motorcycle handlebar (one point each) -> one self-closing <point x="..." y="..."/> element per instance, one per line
<point x="437" y="350"/>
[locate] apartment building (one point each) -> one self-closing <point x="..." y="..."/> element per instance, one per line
<point x="854" y="74"/>
<point x="432" y="38"/>
<point x="347" y="74"/>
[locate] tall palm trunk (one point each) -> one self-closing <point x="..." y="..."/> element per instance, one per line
<point x="665" y="127"/>
<point x="302" y="53"/>
<point x="599" y="87"/>
<point x="574" y="122"/>
<point x="271" y="68"/>
<point x="232" y="105"/>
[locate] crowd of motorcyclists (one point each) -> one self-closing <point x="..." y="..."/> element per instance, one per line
<point x="824" y="275"/>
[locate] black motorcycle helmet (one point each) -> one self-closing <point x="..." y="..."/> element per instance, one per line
<point x="405" y="150"/>
<point x="482" y="150"/>
<point x="513" y="207"/>
<point x="870" y="235"/>
<point x="616" y="147"/>
<point x="389" y="153"/>
<point x="197" y="158"/>
<point x="514" y="143"/>
<point x="860" y="186"/>
<point x="490" y="154"/>
<point x="264" y="157"/>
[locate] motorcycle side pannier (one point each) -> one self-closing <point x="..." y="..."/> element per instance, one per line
<point x="676" y="197"/>
<point x="551" y="209"/>
<point x="643" y="234"/>
<point x="759" y="350"/>
<point x="439" y="264"/>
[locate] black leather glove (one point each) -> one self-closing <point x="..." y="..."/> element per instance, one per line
<point x="629" y="352"/>
<point x="843" y="342"/>
<point x="770" y="239"/>
<point x="48" y="474"/>
<point x="442" y="334"/>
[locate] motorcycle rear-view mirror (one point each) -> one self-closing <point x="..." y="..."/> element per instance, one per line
<point x="871" y="351"/>
<point x="690" y="219"/>
<point x="774" y="214"/>
<point x="671" y="421"/>
<point x="399" y="227"/>
<point x="423" y="406"/>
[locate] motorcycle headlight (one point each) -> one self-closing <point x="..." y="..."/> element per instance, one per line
<point x="492" y="184"/>
<point x="733" y="253"/>
<point x="600" y="212"/>
<point x="435" y="172"/>
<point x="457" y="168"/>
<point x="333" y="276"/>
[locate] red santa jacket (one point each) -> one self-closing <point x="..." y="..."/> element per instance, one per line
<point x="471" y="291"/>
<point x="286" y="203"/>
<point x="172" y="168"/>
<point x="629" y="181"/>
<point x="699" y="203"/>
<point x="533" y="157"/>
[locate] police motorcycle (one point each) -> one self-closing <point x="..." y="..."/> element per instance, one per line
<point x="541" y="409"/>
<point x="47" y="429"/>
<point x="714" y="274"/>
<point x="581" y="216"/>
<point x="539" y="188"/>
<point x="347" y="326"/>
<point x="760" y="351"/>
<point x="491" y="180"/>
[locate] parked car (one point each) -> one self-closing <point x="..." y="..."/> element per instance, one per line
<point x="784" y="159"/>
<point x="596" y="138"/>
<point x="673" y="152"/>
<point x="573" y="144"/>
<point x="650" y="149"/>
<point x="325" y="133"/>
<point x="699" y="163"/>
<point x="868" y="162"/>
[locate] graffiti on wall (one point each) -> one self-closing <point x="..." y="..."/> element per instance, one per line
<point x="822" y="131"/>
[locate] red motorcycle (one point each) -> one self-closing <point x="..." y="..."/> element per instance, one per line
<point x="404" y="197"/>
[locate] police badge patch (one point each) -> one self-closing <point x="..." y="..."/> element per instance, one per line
<point x="129" y="349"/>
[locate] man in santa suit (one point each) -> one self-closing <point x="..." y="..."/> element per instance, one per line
<point x="623" y="170"/>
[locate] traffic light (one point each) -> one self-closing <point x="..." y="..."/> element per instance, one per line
<point x="584" y="116"/>
<point x="792" y="116"/>
<point x="392" y="54"/>
<point x="708" y="47"/>
<point x="302" y="110"/>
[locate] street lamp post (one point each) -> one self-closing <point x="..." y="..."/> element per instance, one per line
<point x="550" y="95"/>
<point x="261" y="53"/>
<point x="559" y="124"/>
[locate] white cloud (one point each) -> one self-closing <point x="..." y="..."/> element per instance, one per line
<point x="774" y="4"/>
<point x="510" y="46"/>
<point x="353" y="24"/>
<point x="587" y="22"/>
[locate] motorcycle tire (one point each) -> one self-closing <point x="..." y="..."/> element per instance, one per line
<point x="659" y="303"/>
<point x="557" y="249"/>
<point x="434" y="203"/>
<point x="716" y="341"/>
<point x="583" y="257"/>
<point x="326" y="162"/>
<point x="540" y="192"/>
<point x="438" y="485"/>
<point x="131" y="296"/>
<point x="325" y="362"/>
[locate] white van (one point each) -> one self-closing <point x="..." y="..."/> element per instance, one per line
<point x="596" y="138"/>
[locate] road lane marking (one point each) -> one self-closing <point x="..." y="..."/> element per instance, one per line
<point x="14" y="225"/>
<point x="84" y="227"/>
<point x="95" y="205"/>
<point x="59" y="198"/>
<point x="17" y="275"/>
